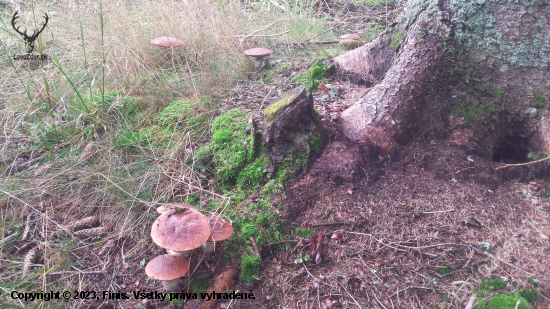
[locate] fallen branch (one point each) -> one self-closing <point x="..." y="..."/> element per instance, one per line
<point x="258" y="35"/>
<point x="523" y="164"/>
<point x="70" y="272"/>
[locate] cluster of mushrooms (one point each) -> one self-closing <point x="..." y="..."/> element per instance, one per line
<point x="180" y="229"/>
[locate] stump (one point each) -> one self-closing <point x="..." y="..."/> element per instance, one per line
<point x="292" y="130"/>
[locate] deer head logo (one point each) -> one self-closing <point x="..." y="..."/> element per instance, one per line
<point x="28" y="39"/>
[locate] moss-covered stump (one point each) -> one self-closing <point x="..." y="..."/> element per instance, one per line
<point x="292" y="129"/>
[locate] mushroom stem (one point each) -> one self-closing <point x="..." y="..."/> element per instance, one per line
<point x="259" y="62"/>
<point x="171" y="285"/>
<point x="184" y="254"/>
<point x="209" y="247"/>
<point x="351" y="44"/>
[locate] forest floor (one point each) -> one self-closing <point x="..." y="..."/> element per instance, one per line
<point x="425" y="226"/>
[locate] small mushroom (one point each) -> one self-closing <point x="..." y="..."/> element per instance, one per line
<point x="350" y="41"/>
<point x="221" y="230"/>
<point x="181" y="230"/>
<point x="259" y="54"/>
<point x="168" y="268"/>
<point x="167" y="42"/>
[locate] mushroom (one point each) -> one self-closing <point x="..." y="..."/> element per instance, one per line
<point x="221" y="230"/>
<point x="181" y="230"/>
<point x="167" y="42"/>
<point x="350" y="41"/>
<point x="259" y="54"/>
<point x="168" y="268"/>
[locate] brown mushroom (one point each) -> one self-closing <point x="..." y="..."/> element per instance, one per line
<point x="258" y="54"/>
<point x="181" y="230"/>
<point x="350" y="41"/>
<point x="168" y="268"/>
<point x="221" y="230"/>
<point x="167" y="42"/>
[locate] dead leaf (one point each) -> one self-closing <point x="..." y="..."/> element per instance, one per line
<point x="377" y="264"/>
<point x="537" y="217"/>
<point x="371" y="210"/>
<point x="276" y="210"/>
<point x="349" y="191"/>
<point x="533" y="183"/>
<point x="336" y="235"/>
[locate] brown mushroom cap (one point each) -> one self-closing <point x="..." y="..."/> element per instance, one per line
<point x="221" y="229"/>
<point x="166" y="41"/>
<point x="183" y="231"/>
<point x="258" y="52"/>
<point x="167" y="267"/>
<point x="168" y="207"/>
<point x="351" y="36"/>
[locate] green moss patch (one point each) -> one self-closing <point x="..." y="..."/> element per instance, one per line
<point x="504" y="301"/>
<point x="184" y="113"/>
<point x="232" y="147"/>
<point x="250" y="268"/>
<point x="314" y="75"/>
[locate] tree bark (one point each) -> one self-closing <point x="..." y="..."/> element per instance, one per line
<point x="475" y="72"/>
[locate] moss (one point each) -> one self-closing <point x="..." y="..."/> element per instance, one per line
<point x="534" y="282"/>
<point x="395" y="40"/>
<point x="497" y="93"/>
<point x="443" y="271"/>
<point x="493" y="284"/>
<point x="285" y="101"/>
<point x="182" y="113"/>
<point x="504" y="301"/>
<point x="539" y="101"/>
<point x="199" y="284"/>
<point x="480" y="30"/>
<point x="530" y="295"/>
<point x="231" y="149"/>
<point x="314" y="75"/>
<point x="250" y="268"/>
<point x="316" y="144"/>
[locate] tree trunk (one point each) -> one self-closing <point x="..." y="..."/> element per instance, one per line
<point x="475" y="72"/>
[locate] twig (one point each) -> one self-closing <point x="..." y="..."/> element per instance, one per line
<point x="313" y="37"/>
<point x="6" y="238"/>
<point x="279" y="242"/>
<point x="256" y="31"/>
<point x="522" y="164"/>
<point x="258" y="35"/>
<point x="330" y="224"/>
<point x="277" y="4"/>
<point x="471" y="301"/>
<point x="71" y="272"/>
<point x="424" y="212"/>
<point x="424" y="266"/>
<point x="262" y="105"/>
<point x="350" y="295"/>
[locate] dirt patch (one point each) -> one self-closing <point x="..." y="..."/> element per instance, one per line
<point x="410" y="226"/>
